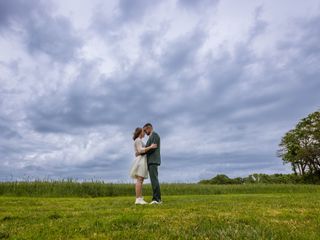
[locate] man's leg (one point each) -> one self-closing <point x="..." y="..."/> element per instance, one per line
<point x="153" y="172"/>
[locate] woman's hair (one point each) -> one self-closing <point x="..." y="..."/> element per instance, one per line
<point x="137" y="133"/>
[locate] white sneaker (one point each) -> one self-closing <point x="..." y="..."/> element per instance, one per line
<point x="155" y="202"/>
<point x="143" y="201"/>
<point x="140" y="201"/>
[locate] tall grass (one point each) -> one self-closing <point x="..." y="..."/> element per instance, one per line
<point x="69" y="188"/>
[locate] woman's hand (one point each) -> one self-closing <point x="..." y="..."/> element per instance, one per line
<point x="153" y="145"/>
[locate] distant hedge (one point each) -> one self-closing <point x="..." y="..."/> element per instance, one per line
<point x="265" y="178"/>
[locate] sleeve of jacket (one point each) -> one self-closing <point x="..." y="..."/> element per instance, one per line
<point x="155" y="139"/>
<point x="158" y="140"/>
<point x="150" y="141"/>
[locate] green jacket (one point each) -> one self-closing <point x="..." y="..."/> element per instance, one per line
<point x="153" y="155"/>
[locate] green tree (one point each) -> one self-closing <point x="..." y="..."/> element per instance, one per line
<point x="301" y="146"/>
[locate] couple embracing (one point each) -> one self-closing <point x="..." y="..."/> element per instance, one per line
<point x="147" y="160"/>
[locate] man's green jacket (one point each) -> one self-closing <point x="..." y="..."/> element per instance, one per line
<point x="153" y="155"/>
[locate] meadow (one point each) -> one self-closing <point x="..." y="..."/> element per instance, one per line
<point x="70" y="210"/>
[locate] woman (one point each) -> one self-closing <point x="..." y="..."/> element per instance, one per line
<point x="139" y="169"/>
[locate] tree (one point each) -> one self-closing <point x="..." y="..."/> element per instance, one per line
<point x="301" y="146"/>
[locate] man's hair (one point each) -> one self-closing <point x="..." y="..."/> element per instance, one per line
<point x="147" y="125"/>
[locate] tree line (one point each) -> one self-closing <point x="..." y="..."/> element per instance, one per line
<point x="255" y="178"/>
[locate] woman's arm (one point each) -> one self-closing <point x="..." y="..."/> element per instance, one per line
<point x="142" y="150"/>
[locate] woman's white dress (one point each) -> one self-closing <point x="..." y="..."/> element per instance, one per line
<point x="139" y="166"/>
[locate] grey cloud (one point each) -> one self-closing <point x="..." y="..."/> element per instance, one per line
<point x="6" y="132"/>
<point x="94" y="169"/>
<point x="201" y="166"/>
<point x="198" y="5"/>
<point x="6" y="129"/>
<point x="55" y="37"/>
<point x="306" y="41"/>
<point x="132" y="10"/>
<point x="81" y="107"/>
<point x="42" y="31"/>
<point x="85" y="108"/>
<point x="231" y="102"/>
<point x="16" y="10"/>
<point x="182" y="51"/>
<point x="125" y="12"/>
<point x="259" y="24"/>
<point x="228" y="73"/>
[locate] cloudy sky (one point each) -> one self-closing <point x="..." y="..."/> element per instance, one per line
<point x="221" y="81"/>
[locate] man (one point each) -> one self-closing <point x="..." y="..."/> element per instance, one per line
<point x="154" y="161"/>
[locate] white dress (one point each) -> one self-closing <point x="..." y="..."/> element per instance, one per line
<point x="139" y="166"/>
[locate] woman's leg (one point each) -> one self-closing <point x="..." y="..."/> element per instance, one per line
<point x="139" y="186"/>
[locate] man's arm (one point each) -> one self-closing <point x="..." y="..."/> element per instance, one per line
<point x="155" y="139"/>
<point x="150" y="140"/>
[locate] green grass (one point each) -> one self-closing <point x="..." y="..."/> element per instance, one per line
<point x="237" y="212"/>
<point x="100" y="189"/>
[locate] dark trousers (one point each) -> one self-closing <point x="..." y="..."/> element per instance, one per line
<point x="153" y="172"/>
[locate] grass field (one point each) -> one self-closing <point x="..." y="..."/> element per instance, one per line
<point x="233" y="212"/>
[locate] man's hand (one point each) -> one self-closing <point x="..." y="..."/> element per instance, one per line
<point x="137" y="154"/>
